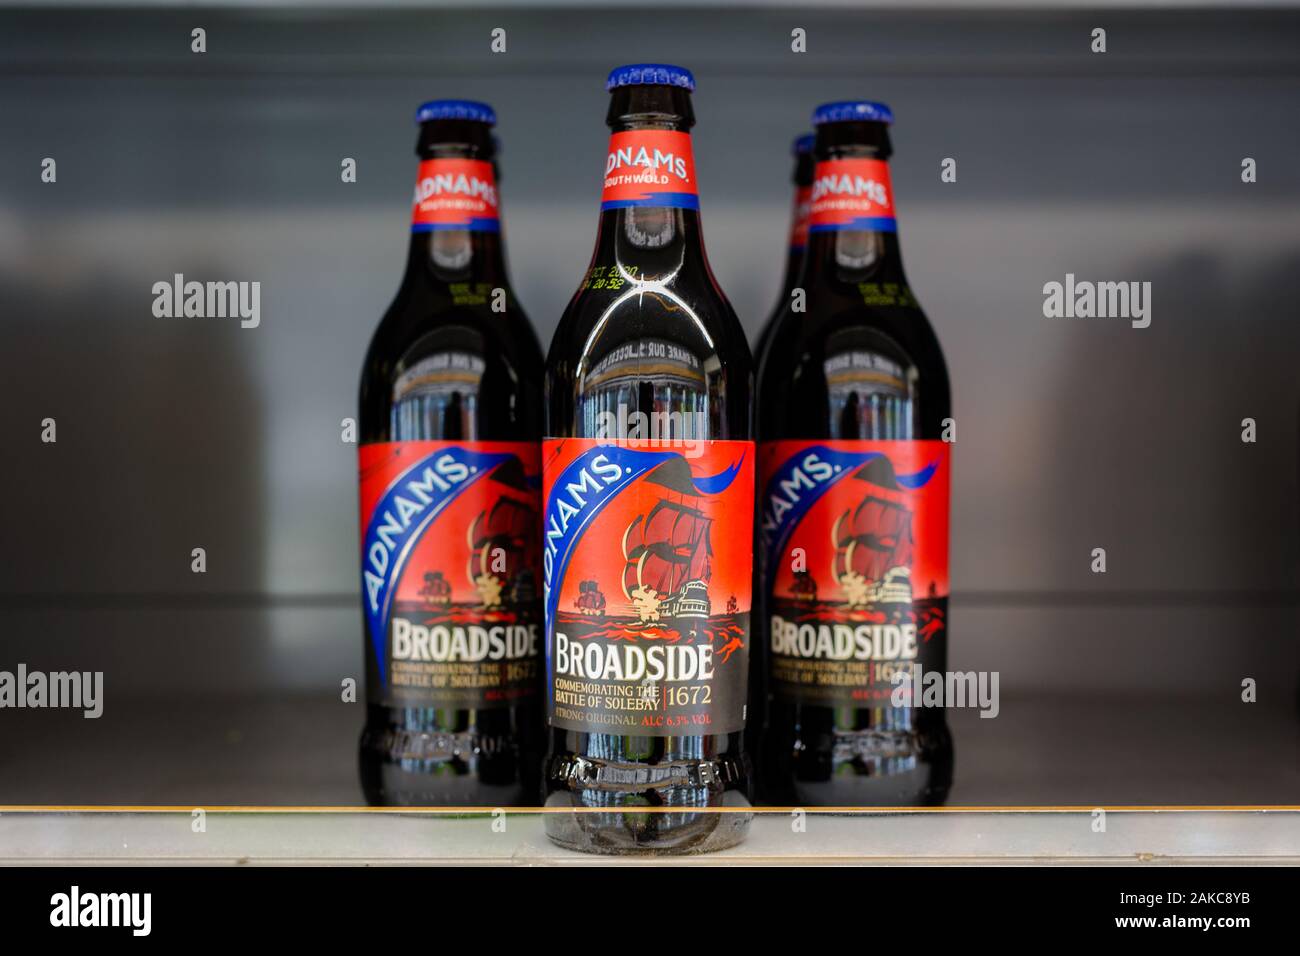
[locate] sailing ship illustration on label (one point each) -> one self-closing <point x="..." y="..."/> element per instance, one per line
<point x="503" y="549"/>
<point x="450" y="561"/>
<point x="872" y="551"/>
<point x="667" y="569"/>
<point x="850" y="530"/>
<point x="647" y="564"/>
<point x="437" y="589"/>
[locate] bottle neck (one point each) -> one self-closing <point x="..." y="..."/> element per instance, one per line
<point x="455" y="211"/>
<point x="793" y="266"/>
<point x="851" y="256"/>
<point x="852" y="232"/>
<point x="457" y="255"/>
<point x="798" y="243"/>
<point x="650" y="207"/>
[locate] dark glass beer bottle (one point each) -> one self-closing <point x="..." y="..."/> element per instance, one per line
<point x="795" y="247"/>
<point x="648" y="469"/>
<point x="853" y="500"/>
<point x="802" y="178"/>
<point x="450" y="499"/>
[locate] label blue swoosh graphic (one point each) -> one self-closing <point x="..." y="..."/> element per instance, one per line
<point x="417" y="496"/>
<point x="788" y="475"/>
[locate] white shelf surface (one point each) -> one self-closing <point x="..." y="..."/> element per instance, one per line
<point x="358" y="836"/>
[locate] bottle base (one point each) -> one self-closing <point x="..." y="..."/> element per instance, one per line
<point x="393" y="777"/>
<point x="390" y="788"/>
<point x="862" y="770"/>
<point x="860" y="792"/>
<point x="591" y="808"/>
<point x="646" y="831"/>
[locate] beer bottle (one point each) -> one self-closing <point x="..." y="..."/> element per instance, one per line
<point x="450" y="489"/>
<point x="803" y="170"/>
<point x="648" y="469"/>
<point x="853" y="499"/>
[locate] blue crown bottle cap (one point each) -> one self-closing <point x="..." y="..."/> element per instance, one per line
<point x="650" y="74"/>
<point x="803" y="144"/>
<point x="852" y="111"/>
<point x="470" y="110"/>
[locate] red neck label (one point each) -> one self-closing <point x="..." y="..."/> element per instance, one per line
<point x="455" y="194"/>
<point x="852" y="194"/>
<point x="650" y="167"/>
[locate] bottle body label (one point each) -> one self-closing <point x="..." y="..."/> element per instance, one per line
<point x="455" y="194"/>
<point x="650" y="167"/>
<point x="852" y="194"/>
<point x="647" y="562"/>
<point x="855" y="566"/>
<point x="450" y="558"/>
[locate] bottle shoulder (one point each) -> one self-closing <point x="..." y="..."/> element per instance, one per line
<point x="467" y="319"/>
<point x="432" y="352"/>
<point x="673" y="322"/>
<point x="847" y="348"/>
<point x="829" y="320"/>
<point x="655" y="348"/>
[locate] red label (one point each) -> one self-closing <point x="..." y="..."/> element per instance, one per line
<point x="648" y="565"/>
<point x="855" y="565"/>
<point x="650" y="167"/>
<point x="455" y="194"/>
<point x="802" y="212"/>
<point x="852" y="194"/>
<point x="450" y="562"/>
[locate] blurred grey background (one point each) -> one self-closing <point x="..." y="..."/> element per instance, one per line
<point x="1120" y="688"/>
